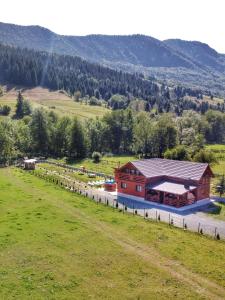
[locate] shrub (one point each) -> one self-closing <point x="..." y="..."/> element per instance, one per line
<point x="5" y="110"/>
<point x="96" y="156"/>
<point x="205" y="156"/>
<point x="178" y="153"/>
<point x="94" y="101"/>
<point x="220" y="188"/>
<point x="1" y="91"/>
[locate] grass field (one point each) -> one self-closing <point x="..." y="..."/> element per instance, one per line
<point x="106" y="165"/>
<point x="56" y="101"/>
<point x="219" y="151"/>
<point x="219" y="167"/>
<point x="80" y="176"/>
<point x="59" y="245"/>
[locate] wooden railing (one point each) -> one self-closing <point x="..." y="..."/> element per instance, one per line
<point x="130" y="177"/>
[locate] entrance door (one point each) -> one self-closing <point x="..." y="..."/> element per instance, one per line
<point x="161" y="197"/>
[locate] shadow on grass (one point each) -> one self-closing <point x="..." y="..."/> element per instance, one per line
<point x="215" y="209"/>
<point x="71" y="161"/>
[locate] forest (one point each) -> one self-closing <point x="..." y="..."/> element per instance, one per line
<point x="76" y="76"/>
<point x="38" y="132"/>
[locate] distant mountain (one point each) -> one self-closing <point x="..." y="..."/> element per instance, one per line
<point x="199" y="52"/>
<point x="96" y="83"/>
<point x="191" y="63"/>
<point x="133" y="49"/>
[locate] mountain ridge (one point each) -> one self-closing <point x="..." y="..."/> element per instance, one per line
<point x="175" y="60"/>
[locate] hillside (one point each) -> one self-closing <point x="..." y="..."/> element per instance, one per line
<point x="33" y="68"/>
<point x="57" y="101"/>
<point x="192" y="63"/>
<point x="59" y="245"/>
<point x="136" y="49"/>
<point x="96" y="84"/>
<point x="200" y="53"/>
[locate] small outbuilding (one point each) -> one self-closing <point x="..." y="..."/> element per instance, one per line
<point x="29" y="164"/>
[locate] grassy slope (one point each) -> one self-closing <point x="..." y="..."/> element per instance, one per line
<point x="219" y="167"/>
<point x="58" y="245"/>
<point x="106" y="165"/>
<point x="80" y="176"/>
<point x="219" y="151"/>
<point x="63" y="105"/>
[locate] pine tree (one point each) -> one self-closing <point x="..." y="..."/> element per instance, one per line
<point x="23" y="107"/>
<point x="19" y="106"/>
<point x="40" y="132"/>
<point x="77" y="140"/>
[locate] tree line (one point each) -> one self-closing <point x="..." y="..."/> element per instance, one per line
<point x="40" y="132"/>
<point x="72" y="74"/>
<point x="77" y="76"/>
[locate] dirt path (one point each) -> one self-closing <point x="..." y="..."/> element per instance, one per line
<point x="203" y="286"/>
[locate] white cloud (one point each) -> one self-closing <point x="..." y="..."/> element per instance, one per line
<point x="201" y="20"/>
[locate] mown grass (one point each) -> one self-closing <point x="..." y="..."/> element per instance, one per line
<point x="59" y="245"/>
<point x="56" y="101"/>
<point x="106" y="165"/>
<point x="80" y="176"/>
<point x="72" y="108"/>
<point x="62" y="108"/>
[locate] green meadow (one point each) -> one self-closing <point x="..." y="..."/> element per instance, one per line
<point x="55" y="101"/>
<point x="107" y="165"/>
<point x="55" y="244"/>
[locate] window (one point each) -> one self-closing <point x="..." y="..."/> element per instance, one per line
<point x="123" y="185"/>
<point x="152" y="193"/>
<point x="138" y="188"/>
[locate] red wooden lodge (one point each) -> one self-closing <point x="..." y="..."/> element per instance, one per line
<point x="168" y="182"/>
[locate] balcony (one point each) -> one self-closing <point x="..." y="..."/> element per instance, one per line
<point x="131" y="177"/>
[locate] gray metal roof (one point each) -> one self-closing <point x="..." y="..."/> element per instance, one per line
<point x="166" y="167"/>
<point x="171" y="187"/>
<point x="31" y="160"/>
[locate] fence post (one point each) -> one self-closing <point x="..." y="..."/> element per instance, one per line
<point x="156" y="215"/>
<point x="198" y="227"/>
<point x="215" y="231"/>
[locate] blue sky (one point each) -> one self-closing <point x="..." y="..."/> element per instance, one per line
<point x="201" y="20"/>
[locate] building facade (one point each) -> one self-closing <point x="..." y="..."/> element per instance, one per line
<point x="164" y="181"/>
